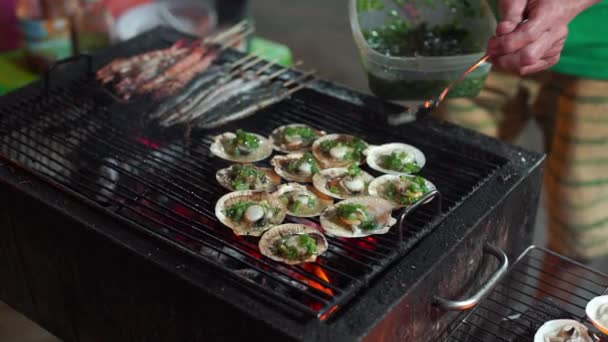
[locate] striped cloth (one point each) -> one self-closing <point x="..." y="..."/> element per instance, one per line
<point x="573" y="116"/>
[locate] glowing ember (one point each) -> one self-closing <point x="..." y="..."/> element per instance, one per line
<point x="428" y="104"/>
<point x="319" y="272"/>
<point x="329" y="313"/>
<point x="148" y="143"/>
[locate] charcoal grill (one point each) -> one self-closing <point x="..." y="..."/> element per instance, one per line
<point x="540" y="286"/>
<point x="110" y="231"/>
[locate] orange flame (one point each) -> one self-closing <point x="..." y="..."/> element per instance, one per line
<point x="329" y="313"/>
<point x="427" y="104"/>
<point x="319" y="272"/>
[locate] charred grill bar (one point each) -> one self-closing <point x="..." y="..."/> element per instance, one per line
<point x="118" y="197"/>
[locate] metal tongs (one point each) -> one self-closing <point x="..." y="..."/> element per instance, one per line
<point x="429" y="106"/>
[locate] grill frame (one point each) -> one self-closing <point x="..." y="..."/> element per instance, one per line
<point x="523" y="301"/>
<point x="506" y="177"/>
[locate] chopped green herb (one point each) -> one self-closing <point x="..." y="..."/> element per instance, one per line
<point x="369" y="5"/>
<point x="334" y="189"/>
<point x="247" y="176"/>
<point x="312" y="202"/>
<point x="296" y="207"/>
<point x="286" y="251"/>
<point x="236" y="211"/>
<point x="397" y="161"/>
<point x="356" y="145"/>
<point x="309" y="243"/>
<point x="246" y="140"/>
<point x="354" y="170"/>
<point x="348" y="210"/>
<point x="294" y="165"/>
<point x="306" y="133"/>
<point x="369" y="225"/>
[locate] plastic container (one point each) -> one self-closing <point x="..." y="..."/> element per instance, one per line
<point x="414" y="76"/>
<point x="196" y="17"/>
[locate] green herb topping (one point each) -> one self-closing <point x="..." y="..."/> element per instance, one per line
<point x="397" y="161"/>
<point x="354" y="170"/>
<point x="294" y="247"/>
<point x="247" y="176"/>
<point x="306" y="133"/>
<point x="294" y="166"/>
<point x="413" y="190"/>
<point x="356" y="148"/>
<point x="236" y="211"/>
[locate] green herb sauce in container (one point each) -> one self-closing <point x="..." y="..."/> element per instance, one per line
<point x="412" y="49"/>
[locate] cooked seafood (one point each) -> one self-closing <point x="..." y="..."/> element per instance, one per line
<point x="343" y="183"/>
<point x="199" y="86"/>
<point x="597" y="311"/>
<point x="358" y="217"/>
<point x="395" y="158"/>
<point x="250" y="212"/>
<point x="293" y="244"/>
<point x="240" y="177"/>
<point x="339" y="150"/>
<point x="242" y="147"/>
<point x="245" y="105"/>
<point x="161" y="73"/>
<point x="294" y="138"/>
<point x="562" y="330"/>
<point x="401" y="191"/>
<point x="296" y="167"/>
<point x="302" y="201"/>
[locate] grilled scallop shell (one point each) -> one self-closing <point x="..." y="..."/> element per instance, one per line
<point x="327" y="161"/>
<point x="376" y="188"/>
<point x="553" y="330"/>
<point x="262" y="152"/>
<point x="376" y="153"/>
<point x="280" y="164"/>
<point x="322" y="200"/>
<point x="597" y="311"/>
<point x="223" y="177"/>
<point x="381" y="209"/>
<point x="280" y="146"/>
<point x="274" y="235"/>
<point x="241" y="228"/>
<point x="321" y="180"/>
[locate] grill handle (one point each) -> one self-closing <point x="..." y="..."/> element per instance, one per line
<point x="428" y="197"/>
<point x="469" y="303"/>
<point x="47" y="74"/>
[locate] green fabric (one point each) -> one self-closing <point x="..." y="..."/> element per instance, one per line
<point x="586" y="51"/>
<point x="271" y="51"/>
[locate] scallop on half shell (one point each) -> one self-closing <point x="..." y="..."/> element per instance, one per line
<point x="395" y="158"/>
<point x="294" y="138"/>
<point x="563" y="330"/>
<point x="339" y="150"/>
<point x="337" y="183"/>
<point x="250" y="212"/>
<point x="293" y="244"/>
<point x="296" y="167"/>
<point x="240" y="177"/>
<point x="597" y="311"/>
<point x="302" y="201"/>
<point x="358" y="217"/>
<point x="242" y="147"/>
<point x="400" y="191"/>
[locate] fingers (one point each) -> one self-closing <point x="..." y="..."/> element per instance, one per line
<point x="512" y="12"/>
<point x="540" y="55"/>
<point x="524" y="35"/>
<point x="541" y="65"/>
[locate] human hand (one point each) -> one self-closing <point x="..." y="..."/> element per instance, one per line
<point x="531" y="36"/>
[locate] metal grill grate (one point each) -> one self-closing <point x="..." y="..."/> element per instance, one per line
<point x="540" y="286"/>
<point x="163" y="184"/>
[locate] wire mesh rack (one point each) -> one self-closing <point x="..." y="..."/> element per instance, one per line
<point x="540" y="286"/>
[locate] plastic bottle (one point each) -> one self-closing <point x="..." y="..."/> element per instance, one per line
<point x="47" y="30"/>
